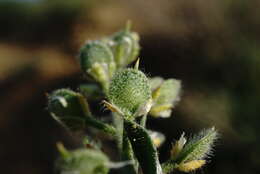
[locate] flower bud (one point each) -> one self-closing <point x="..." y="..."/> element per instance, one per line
<point x="125" y="46"/>
<point x="199" y="147"/>
<point x="97" y="60"/>
<point x="130" y="92"/>
<point x="178" y="146"/>
<point x="187" y="157"/>
<point x="165" y="95"/>
<point x="65" y="106"/>
<point x="82" y="161"/>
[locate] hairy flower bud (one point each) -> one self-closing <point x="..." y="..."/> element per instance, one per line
<point x="198" y="147"/>
<point x="178" y="146"/>
<point x="97" y="60"/>
<point x="82" y="161"/>
<point x="165" y="95"/>
<point x="66" y="107"/>
<point x="125" y="46"/>
<point x="130" y="92"/>
<point x="187" y="157"/>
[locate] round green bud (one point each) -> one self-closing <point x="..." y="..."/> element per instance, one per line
<point x="84" y="161"/>
<point x="97" y="60"/>
<point x="125" y="46"/>
<point x="64" y="105"/>
<point x="95" y="52"/>
<point x="130" y="91"/>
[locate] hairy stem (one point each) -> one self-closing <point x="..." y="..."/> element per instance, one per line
<point x="128" y="155"/>
<point x="106" y="128"/>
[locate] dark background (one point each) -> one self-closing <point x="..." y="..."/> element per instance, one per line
<point x="212" y="46"/>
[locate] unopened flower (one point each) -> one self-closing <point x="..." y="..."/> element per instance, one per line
<point x="165" y="95"/>
<point x="65" y="106"/>
<point x="130" y="92"/>
<point x="97" y="60"/>
<point x="125" y="47"/>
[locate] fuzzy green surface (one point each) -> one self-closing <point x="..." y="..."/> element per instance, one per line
<point x="143" y="148"/>
<point x="64" y="102"/>
<point x="125" y="47"/>
<point x="84" y="161"/>
<point x="198" y="147"/>
<point x="129" y="90"/>
<point x="169" y="92"/>
<point x="95" y="52"/>
<point x="65" y="107"/>
<point x="155" y="82"/>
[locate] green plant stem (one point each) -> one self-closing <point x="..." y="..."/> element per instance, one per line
<point x="143" y="120"/>
<point x="91" y="121"/>
<point x="128" y="155"/>
<point x="106" y="128"/>
<point x="119" y="125"/>
<point x="124" y="145"/>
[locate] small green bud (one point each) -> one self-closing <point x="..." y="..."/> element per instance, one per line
<point x="165" y="95"/>
<point x="97" y="60"/>
<point x="130" y="92"/>
<point x="66" y="107"/>
<point x="82" y="161"/>
<point x="199" y="147"/>
<point x="125" y="46"/>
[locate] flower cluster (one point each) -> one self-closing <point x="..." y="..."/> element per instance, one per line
<point x="131" y="97"/>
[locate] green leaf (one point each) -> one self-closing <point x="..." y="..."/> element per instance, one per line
<point x="143" y="148"/>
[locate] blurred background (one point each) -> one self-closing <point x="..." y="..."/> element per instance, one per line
<point x="212" y="46"/>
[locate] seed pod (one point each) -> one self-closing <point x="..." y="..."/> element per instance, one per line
<point x="66" y="107"/>
<point x="164" y="96"/>
<point x="130" y="92"/>
<point x="97" y="60"/>
<point x="82" y="161"/>
<point x="125" y="46"/>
